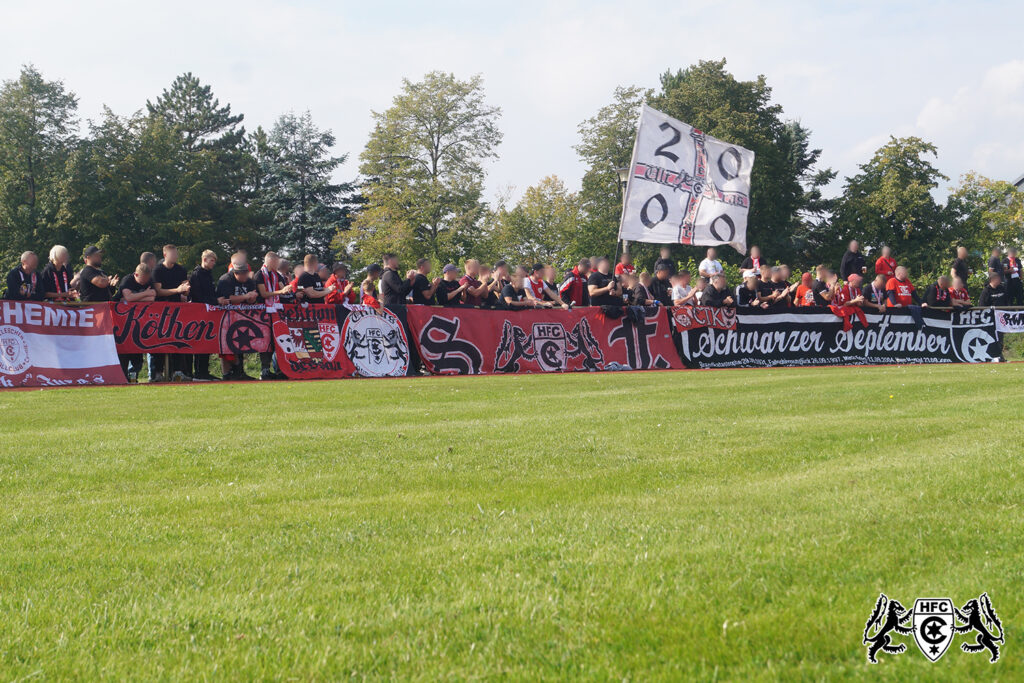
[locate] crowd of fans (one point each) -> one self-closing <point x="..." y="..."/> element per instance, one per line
<point x="590" y="282"/>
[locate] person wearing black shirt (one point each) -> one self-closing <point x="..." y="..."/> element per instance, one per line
<point x="640" y="293"/>
<point x="822" y="289"/>
<point x="1012" y="271"/>
<point x="765" y="288"/>
<point x="171" y="283"/>
<point x="135" y="288"/>
<point x="661" y="286"/>
<point x="236" y="288"/>
<point x="23" y="282"/>
<point x="310" y="283"/>
<point x="717" y="293"/>
<point x="393" y="289"/>
<point x="604" y="290"/>
<point x="93" y="284"/>
<point x="995" y="264"/>
<point x="449" y="289"/>
<point x="853" y="261"/>
<point x="423" y="288"/>
<point x="753" y="262"/>
<point x="56" y="278"/>
<point x="664" y="260"/>
<point x="747" y="293"/>
<point x="514" y="292"/>
<point x="960" y="269"/>
<point x="994" y="293"/>
<point x="202" y="290"/>
<point x="936" y="295"/>
<point x="490" y="299"/>
<point x="874" y="293"/>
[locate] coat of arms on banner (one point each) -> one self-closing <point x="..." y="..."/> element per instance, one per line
<point x="375" y="342"/>
<point x="549" y="346"/>
<point x="685" y="187"/>
<point x="14" y="358"/>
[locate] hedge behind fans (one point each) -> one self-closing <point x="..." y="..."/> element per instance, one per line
<point x="57" y="279"/>
<point x="23" y="282"/>
<point x="994" y="293"/>
<point x="93" y="284"/>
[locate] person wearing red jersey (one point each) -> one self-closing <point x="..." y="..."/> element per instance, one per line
<point x="849" y="293"/>
<point x="537" y="289"/>
<point x="368" y="289"/>
<point x="804" y="293"/>
<point x="900" y="291"/>
<point x="573" y="289"/>
<point x="886" y="264"/>
<point x="625" y="265"/>
<point x="959" y="297"/>
<point x="344" y="292"/>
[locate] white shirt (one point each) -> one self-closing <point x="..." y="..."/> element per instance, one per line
<point x="710" y="267"/>
<point x="680" y="292"/>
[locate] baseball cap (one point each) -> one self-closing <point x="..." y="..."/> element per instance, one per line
<point x="374" y="268"/>
<point x="242" y="267"/>
<point x="92" y="249"/>
<point x="449" y="268"/>
<point x="750" y="273"/>
<point x="662" y="266"/>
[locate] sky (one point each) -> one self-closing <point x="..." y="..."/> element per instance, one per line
<point x="853" y="72"/>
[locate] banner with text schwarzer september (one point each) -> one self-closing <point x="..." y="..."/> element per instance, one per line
<point x="466" y="341"/>
<point x="48" y="345"/>
<point x="685" y="187"/>
<point x="725" y="338"/>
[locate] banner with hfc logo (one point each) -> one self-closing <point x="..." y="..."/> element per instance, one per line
<point x="934" y="622"/>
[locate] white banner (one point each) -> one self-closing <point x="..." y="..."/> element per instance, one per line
<point x="685" y="187"/>
<point x="1010" y="321"/>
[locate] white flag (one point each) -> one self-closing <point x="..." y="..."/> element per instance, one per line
<point x="685" y="187"/>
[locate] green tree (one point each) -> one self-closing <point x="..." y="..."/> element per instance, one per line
<point x="423" y="170"/>
<point x="539" y="227"/>
<point x="890" y="203"/>
<point x="304" y="204"/>
<point x="38" y="123"/>
<point x="986" y="213"/>
<point x="606" y="144"/>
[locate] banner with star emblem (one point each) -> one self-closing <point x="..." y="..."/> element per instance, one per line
<point x="166" y="327"/>
<point x="748" y="338"/>
<point x="685" y="187"/>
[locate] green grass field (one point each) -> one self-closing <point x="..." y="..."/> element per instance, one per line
<point x="678" y="525"/>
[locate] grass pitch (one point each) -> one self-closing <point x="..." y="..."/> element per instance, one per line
<point x="676" y="525"/>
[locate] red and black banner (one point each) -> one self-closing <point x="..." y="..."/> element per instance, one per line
<point x="165" y="327"/>
<point x="453" y="341"/>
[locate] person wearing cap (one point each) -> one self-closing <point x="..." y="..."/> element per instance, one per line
<point x="57" y="276"/>
<point x="93" y="284"/>
<point x="449" y="289"/>
<point x="717" y="295"/>
<point x="393" y="289"/>
<point x="994" y="293"/>
<point x="368" y="288"/>
<point x="747" y="293"/>
<point x="936" y="295"/>
<point x="236" y="288"/>
<point x="310" y="284"/>
<point x="23" y="282"/>
<point x="344" y="291"/>
<point x="661" y="286"/>
<point x="423" y="287"/>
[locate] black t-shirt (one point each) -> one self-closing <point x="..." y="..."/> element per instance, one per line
<point x="661" y="290"/>
<point x="446" y="287"/>
<point x="510" y="292"/>
<point x="311" y="281"/>
<point x="713" y="297"/>
<point x="745" y="296"/>
<point x="780" y="288"/>
<point x="960" y="269"/>
<point x="87" y="290"/>
<point x="995" y="265"/>
<point x="992" y="296"/>
<point x="55" y="279"/>
<point x="661" y="262"/>
<point x="169" y="277"/>
<point x="420" y="284"/>
<point x="601" y="280"/>
<point x="228" y="286"/>
<point x="817" y="289"/>
<point x="132" y="285"/>
<point x="765" y="288"/>
<point x="869" y="294"/>
<point x="202" y="291"/>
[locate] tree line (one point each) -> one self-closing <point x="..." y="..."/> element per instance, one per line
<point x="183" y="169"/>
